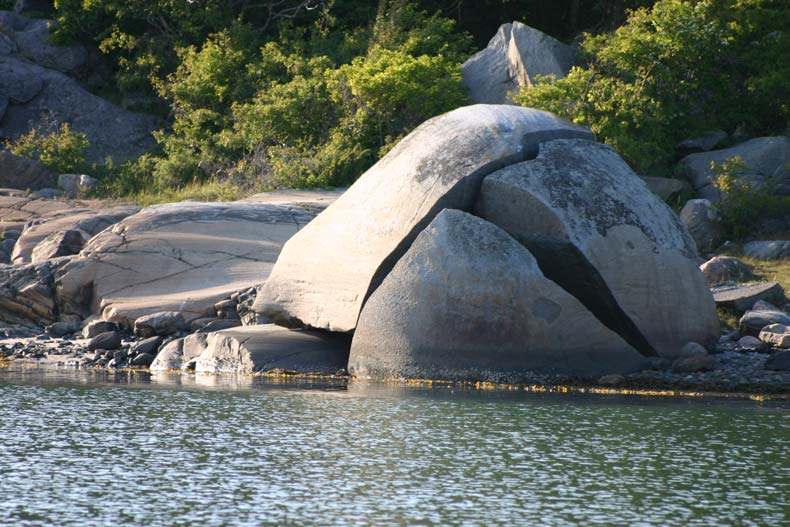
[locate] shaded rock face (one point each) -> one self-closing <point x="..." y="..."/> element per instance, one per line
<point x="326" y="271"/>
<point x="467" y="301"/>
<point x="768" y="250"/>
<point x="512" y="59"/>
<point x="667" y="188"/>
<point x="26" y="294"/>
<point x="62" y="243"/>
<point x="702" y="221"/>
<point x="91" y="222"/>
<point x="599" y="233"/>
<point x="264" y="348"/>
<point x="41" y="96"/>
<point x="721" y="269"/>
<point x="702" y="143"/>
<point x="21" y="173"/>
<point x="33" y="44"/>
<point x="764" y="159"/>
<point x="182" y="257"/>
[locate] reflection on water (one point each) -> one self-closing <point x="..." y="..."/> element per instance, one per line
<point x="101" y="448"/>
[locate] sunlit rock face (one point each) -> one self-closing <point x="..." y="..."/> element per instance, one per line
<point x="467" y="301"/>
<point x="326" y="272"/>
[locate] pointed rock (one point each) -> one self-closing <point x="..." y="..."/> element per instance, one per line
<point x="468" y="302"/>
<point x="328" y="269"/>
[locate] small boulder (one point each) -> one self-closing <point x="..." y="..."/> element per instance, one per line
<point x="163" y="323"/>
<point x="143" y="359"/>
<point x="109" y="340"/>
<point x="695" y="363"/>
<point x="64" y="243"/>
<point x="720" y="269"/>
<point x="762" y="305"/>
<point x="701" y="219"/>
<point x="702" y="143"/>
<point x="779" y="361"/>
<point x="95" y="327"/>
<point x="768" y="250"/>
<point x="76" y="184"/>
<point x="777" y="335"/>
<point x="149" y="345"/>
<point x="752" y="322"/>
<point x="170" y="357"/>
<point x="751" y="344"/>
<point x="692" y="349"/>
<point x="58" y="329"/>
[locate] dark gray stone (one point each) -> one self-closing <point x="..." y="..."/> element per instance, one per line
<point x="163" y="323"/>
<point x="779" y="361"/>
<point x="109" y="340"/>
<point x="149" y="345"/>
<point x="702" y="221"/>
<point x="768" y="250"/>
<point x="143" y="359"/>
<point x="95" y="327"/>
<point x="59" y="329"/>
<point x="702" y="143"/>
<point x="21" y="173"/>
<point x="695" y="363"/>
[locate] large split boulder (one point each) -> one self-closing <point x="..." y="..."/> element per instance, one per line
<point x="764" y="159"/>
<point x="702" y="221"/>
<point x="265" y="348"/>
<point x="512" y="59"/>
<point x="467" y="301"/>
<point x="181" y="257"/>
<point x="597" y="231"/>
<point x="326" y="272"/>
<point x="90" y="222"/>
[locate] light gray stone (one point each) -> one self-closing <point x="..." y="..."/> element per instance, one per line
<point x="170" y="357"/>
<point x="777" y="335"/>
<point x="328" y="269"/>
<point x="721" y="269"/>
<point x="599" y="233"/>
<point x="752" y="322"/>
<point x="76" y="184"/>
<point x="468" y="302"/>
<point x="768" y="250"/>
<point x="181" y="257"/>
<point x="764" y="158"/>
<point x="702" y="221"/>
<point x="742" y="297"/>
<point x="264" y="348"/>
<point x="512" y="59"/>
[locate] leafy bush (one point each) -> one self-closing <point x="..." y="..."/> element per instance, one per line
<point x="675" y="69"/>
<point x="62" y="150"/>
<point x="743" y="208"/>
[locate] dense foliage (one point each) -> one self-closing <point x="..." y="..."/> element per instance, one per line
<point x="678" y="68"/>
<point x="61" y="149"/>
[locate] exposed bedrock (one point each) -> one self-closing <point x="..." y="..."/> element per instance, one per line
<point x="599" y="233"/>
<point x="467" y="301"/>
<point x="327" y="270"/>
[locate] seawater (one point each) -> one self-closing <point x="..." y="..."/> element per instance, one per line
<point x="97" y="448"/>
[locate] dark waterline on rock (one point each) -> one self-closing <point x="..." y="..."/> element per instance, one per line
<point x="103" y="448"/>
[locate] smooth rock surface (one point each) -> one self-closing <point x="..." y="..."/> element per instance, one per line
<point x="763" y="158"/>
<point x="721" y="269"/>
<point x="468" y="302"/>
<point x="702" y="221"/>
<point x="162" y="323"/>
<point x="109" y="340"/>
<point x="254" y="349"/>
<point x="743" y="296"/>
<point x="181" y="257"/>
<point x="512" y="59"/>
<point x="328" y="269"/>
<point x="768" y="250"/>
<point x="599" y="233"/>
<point x="170" y="357"/>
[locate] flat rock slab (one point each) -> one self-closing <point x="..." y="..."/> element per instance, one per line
<point x="326" y="272"/>
<point x="89" y="221"/>
<point x="598" y="232"/>
<point x="181" y="257"/>
<point x="254" y="349"/>
<point x="468" y="302"/>
<point x="768" y="250"/>
<point x="742" y="297"/>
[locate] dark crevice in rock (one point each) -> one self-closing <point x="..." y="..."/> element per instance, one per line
<point x="463" y="197"/>
<point x="566" y="266"/>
